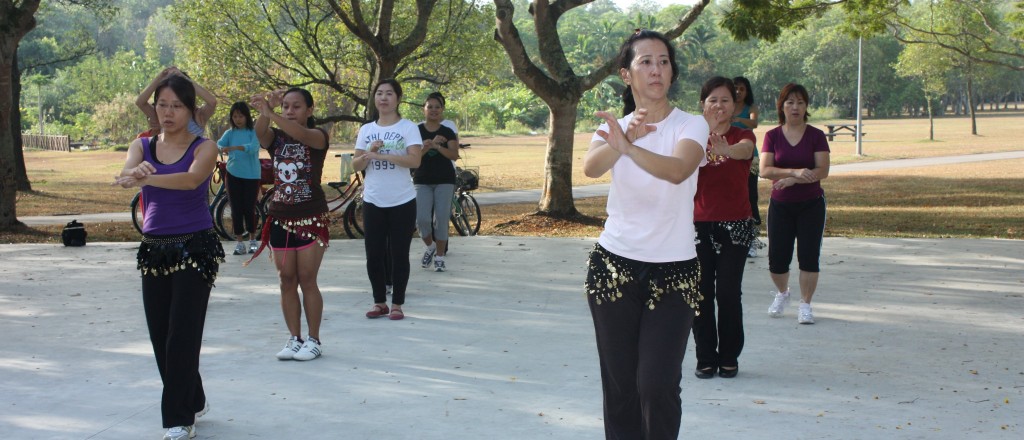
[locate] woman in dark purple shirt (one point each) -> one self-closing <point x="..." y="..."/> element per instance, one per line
<point x="795" y="157"/>
<point x="180" y="253"/>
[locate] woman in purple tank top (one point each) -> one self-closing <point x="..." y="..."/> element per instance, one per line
<point x="180" y="253"/>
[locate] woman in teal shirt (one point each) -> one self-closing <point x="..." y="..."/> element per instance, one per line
<point x="746" y="116"/>
<point x="243" y="179"/>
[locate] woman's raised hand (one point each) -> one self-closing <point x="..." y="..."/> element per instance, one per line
<point x="259" y="102"/>
<point x="718" y="145"/>
<point x="637" y="128"/>
<point x="715" y="115"/>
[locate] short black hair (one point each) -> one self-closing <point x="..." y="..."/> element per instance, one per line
<point x="242" y="108"/>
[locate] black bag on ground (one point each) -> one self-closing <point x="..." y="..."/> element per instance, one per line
<point x="73" y="234"/>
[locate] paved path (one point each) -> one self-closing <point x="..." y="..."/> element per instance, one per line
<point x="530" y="196"/>
<point x="915" y="339"/>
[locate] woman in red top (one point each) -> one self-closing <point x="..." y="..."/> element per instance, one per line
<point x="725" y="230"/>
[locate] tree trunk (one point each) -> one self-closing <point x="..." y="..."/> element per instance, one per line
<point x="19" y="146"/>
<point x="8" y="163"/>
<point x="931" y="119"/>
<point x="556" y="199"/>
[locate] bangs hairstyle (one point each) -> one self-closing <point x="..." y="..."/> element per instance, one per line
<point x="626" y="55"/>
<point x="182" y="88"/>
<point x="243" y="108"/>
<point x="436" y="96"/>
<point x="714" y="83"/>
<point x="749" y="99"/>
<point x="308" y="98"/>
<point x="787" y="90"/>
<point x="398" y="92"/>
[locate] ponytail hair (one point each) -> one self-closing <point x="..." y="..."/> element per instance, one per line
<point x="308" y="97"/>
<point x="626" y="55"/>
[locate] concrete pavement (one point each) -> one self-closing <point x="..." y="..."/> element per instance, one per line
<point x="915" y="339"/>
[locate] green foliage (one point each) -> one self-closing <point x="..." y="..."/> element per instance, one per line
<point x="117" y="121"/>
<point x="231" y="48"/>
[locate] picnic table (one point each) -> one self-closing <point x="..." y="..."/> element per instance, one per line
<point x="842" y="130"/>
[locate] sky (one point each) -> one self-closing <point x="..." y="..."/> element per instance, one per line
<point x="625" y="4"/>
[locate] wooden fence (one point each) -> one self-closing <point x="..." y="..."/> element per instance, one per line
<point x="46" y="142"/>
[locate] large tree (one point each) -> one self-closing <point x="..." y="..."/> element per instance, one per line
<point x="556" y="82"/>
<point x="17" y="18"/>
<point x="977" y="31"/>
<point x="549" y="74"/>
<point x="342" y="47"/>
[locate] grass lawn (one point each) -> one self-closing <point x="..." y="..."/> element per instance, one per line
<point x="970" y="200"/>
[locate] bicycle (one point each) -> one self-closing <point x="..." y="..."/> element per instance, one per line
<point x="465" y="211"/>
<point x="465" y="215"/>
<point x="221" y="206"/>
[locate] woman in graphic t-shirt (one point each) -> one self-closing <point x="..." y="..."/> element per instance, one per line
<point x="387" y="149"/>
<point x="296" y="225"/>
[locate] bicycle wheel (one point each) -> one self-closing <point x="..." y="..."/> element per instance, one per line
<point x="353" y="218"/>
<point x="137" y="212"/>
<point x="472" y="209"/>
<point x="222" y="218"/>
<point x="458" y="219"/>
<point x="466" y="217"/>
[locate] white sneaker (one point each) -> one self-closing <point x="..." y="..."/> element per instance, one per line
<point x="253" y="245"/>
<point x="310" y="350"/>
<point x="780" y="302"/>
<point x="439" y="266"/>
<point x="240" y="249"/>
<point x="428" y="256"/>
<point x="206" y="409"/>
<point x="289" y="350"/>
<point x="805" y="316"/>
<point x="752" y="252"/>
<point x="180" y="433"/>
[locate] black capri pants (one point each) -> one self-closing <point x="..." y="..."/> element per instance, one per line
<point x="803" y="222"/>
<point x="242" y="195"/>
<point x="388" y="233"/>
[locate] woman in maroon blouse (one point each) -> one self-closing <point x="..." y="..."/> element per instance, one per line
<point x="725" y="230"/>
<point x="796" y="158"/>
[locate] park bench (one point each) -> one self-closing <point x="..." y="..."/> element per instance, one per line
<point x="843" y="130"/>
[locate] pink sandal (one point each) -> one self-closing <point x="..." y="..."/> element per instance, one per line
<point x="396" y="314"/>
<point x="377" y="311"/>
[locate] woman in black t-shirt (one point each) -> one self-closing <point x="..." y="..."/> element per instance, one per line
<point x="435" y="181"/>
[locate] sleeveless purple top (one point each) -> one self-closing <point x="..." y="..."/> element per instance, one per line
<point x="174" y="211"/>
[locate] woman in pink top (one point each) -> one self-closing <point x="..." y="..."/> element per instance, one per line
<point x="796" y="158"/>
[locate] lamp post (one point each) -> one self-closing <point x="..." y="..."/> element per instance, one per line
<point x="860" y="52"/>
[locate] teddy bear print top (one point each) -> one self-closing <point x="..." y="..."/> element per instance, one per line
<point x="298" y="169"/>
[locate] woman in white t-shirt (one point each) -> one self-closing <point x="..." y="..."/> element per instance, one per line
<point x="643" y="274"/>
<point x="387" y="148"/>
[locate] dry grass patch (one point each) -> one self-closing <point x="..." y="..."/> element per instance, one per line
<point x="971" y="200"/>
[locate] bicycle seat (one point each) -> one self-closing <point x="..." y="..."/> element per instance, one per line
<point x="337" y="185"/>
